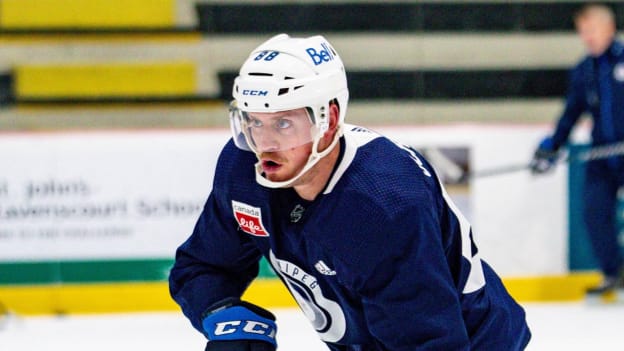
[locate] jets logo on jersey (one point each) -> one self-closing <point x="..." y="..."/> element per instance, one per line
<point x="249" y="218"/>
<point x="325" y="314"/>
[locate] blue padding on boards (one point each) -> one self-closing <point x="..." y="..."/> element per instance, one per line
<point x="580" y="255"/>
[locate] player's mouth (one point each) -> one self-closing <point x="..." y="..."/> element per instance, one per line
<point x="270" y="166"/>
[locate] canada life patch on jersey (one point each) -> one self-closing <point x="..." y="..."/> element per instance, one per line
<point x="249" y="218"/>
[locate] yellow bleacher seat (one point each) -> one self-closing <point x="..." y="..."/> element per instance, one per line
<point x="106" y="80"/>
<point x="84" y="14"/>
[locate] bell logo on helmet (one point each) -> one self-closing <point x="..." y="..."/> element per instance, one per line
<point x="255" y="92"/>
<point x="320" y="56"/>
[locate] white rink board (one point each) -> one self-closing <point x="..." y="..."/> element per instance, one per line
<point x="137" y="194"/>
<point x="102" y="195"/>
<point x="519" y="221"/>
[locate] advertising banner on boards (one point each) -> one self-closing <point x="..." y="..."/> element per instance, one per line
<point x="99" y="197"/>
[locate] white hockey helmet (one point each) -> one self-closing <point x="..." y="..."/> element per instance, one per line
<point x="286" y="74"/>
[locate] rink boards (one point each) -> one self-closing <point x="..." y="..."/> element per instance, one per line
<point x="90" y="221"/>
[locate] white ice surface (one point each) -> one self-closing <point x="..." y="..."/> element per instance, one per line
<point x="567" y="327"/>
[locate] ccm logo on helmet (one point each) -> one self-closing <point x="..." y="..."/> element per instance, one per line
<point x="255" y="92"/>
<point x="320" y="56"/>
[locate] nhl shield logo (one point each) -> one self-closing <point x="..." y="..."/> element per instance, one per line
<point x="249" y="218"/>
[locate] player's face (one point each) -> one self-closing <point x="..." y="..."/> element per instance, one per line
<point x="283" y="142"/>
<point x="279" y="131"/>
<point x="596" y="32"/>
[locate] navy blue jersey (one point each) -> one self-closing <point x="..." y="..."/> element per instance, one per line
<point x="596" y="86"/>
<point x="380" y="260"/>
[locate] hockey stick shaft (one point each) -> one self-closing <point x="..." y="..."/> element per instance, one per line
<point x="595" y="153"/>
<point x="498" y="171"/>
<point x="602" y="152"/>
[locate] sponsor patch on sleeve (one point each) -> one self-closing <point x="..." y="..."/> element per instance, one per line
<point x="249" y="218"/>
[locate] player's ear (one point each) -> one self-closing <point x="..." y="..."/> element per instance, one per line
<point x="330" y="134"/>
<point x="334" y="114"/>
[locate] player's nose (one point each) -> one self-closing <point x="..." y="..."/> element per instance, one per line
<point x="267" y="143"/>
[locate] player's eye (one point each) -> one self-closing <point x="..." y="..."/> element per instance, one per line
<point x="282" y="124"/>
<point x="255" y="123"/>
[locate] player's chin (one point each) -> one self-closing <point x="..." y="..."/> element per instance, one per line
<point x="284" y="173"/>
<point x="278" y="177"/>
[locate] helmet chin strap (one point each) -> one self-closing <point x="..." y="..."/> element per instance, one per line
<point x="313" y="159"/>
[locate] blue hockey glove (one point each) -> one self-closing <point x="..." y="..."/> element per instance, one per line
<point x="544" y="158"/>
<point x="235" y="325"/>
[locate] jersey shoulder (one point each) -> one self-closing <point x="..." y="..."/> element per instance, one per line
<point x="385" y="196"/>
<point x="617" y="50"/>
<point x="387" y="174"/>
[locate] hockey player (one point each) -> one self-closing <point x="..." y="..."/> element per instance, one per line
<point x="596" y="86"/>
<point x="357" y="227"/>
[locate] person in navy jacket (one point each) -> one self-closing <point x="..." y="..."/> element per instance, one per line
<point x="358" y="227"/>
<point x="597" y="87"/>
